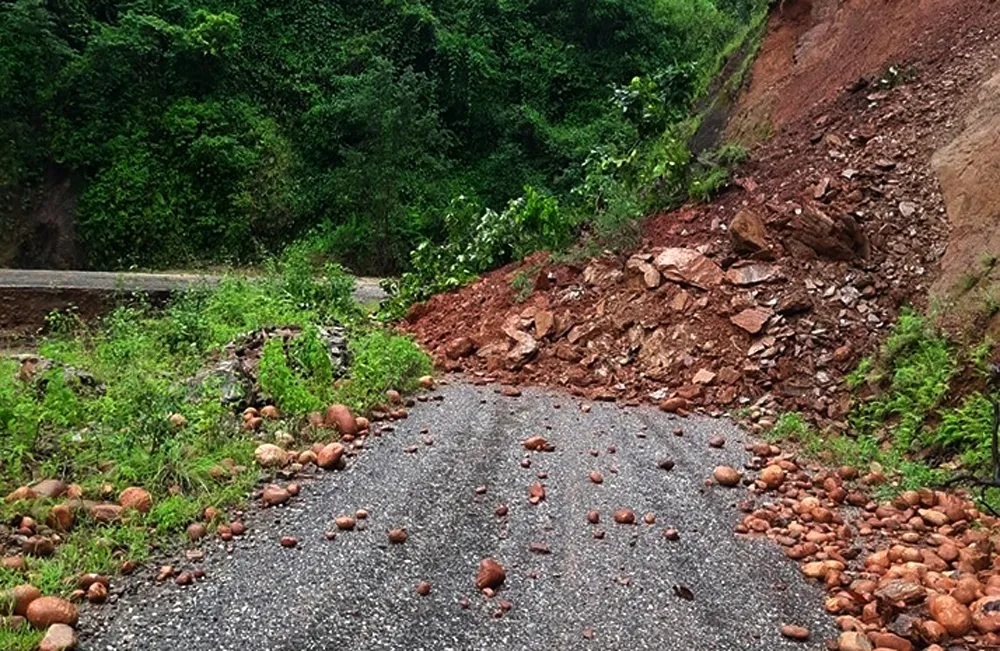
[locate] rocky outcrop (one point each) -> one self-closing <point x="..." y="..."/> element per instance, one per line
<point x="969" y="170"/>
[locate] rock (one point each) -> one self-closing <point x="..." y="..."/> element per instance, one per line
<point x="196" y="531"/>
<point x="58" y="637"/>
<point x="274" y="495"/>
<point x="423" y="588"/>
<point x="21" y="494"/>
<point x="952" y="615"/>
<point x="689" y="267"/>
<point x="836" y="238"/>
<point x="934" y="517"/>
<point x="853" y="641"/>
<point x="106" y="513"/>
<point x="184" y="578"/>
<point x="398" y="536"/>
<point x="537" y="444"/>
<point x="752" y="319"/>
<point x="525" y="346"/>
<point x="136" y="498"/>
<point x="238" y="528"/>
<point x="675" y="405"/>
<point x="178" y="421"/>
<point x="289" y="541"/>
<point x="491" y="575"/>
<point x="19" y="598"/>
<point x="536" y="492"/>
<point x="51" y="488"/>
<point x="330" y="456"/>
<point x="345" y="522"/>
<point x="890" y="641"/>
<point x="901" y="590"/>
<point x="593" y="517"/>
<point x="510" y="391"/>
<point x="703" y="376"/>
<point x="269" y="455"/>
<point x="986" y="614"/>
<point x="270" y="412"/>
<point x="717" y="442"/>
<point x="545" y="323"/>
<point x="665" y="464"/>
<point x="748" y="233"/>
<point x="726" y="476"/>
<point x="426" y="382"/>
<point x="596" y="477"/>
<point x="796" y="302"/>
<point x="624" y="516"/>
<point x="340" y="418"/>
<point x="751" y="273"/>
<point x="798" y="633"/>
<point x="459" y="347"/>
<point x="46" y="611"/>
<point x="772" y="476"/>
<point x="60" y="518"/>
<point x="97" y="593"/>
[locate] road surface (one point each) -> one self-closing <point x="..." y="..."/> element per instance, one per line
<point x="616" y="593"/>
<point x="367" y="289"/>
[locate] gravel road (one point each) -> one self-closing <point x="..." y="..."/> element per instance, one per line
<point x="358" y="592"/>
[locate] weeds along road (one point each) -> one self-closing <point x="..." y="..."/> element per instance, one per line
<point x="617" y="592"/>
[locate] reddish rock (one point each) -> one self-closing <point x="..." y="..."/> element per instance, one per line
<point x="289" y="541"/>
<point x="274" y="495"/>
<point x="952" y="615"/>
<point x="21" y="597"/>
<point x="491" y="575"/>
<point x="726" y="476"/>
<point x="51" y="488"/>
<point x="459" y="347"/>
<point x="537" y="444"/>
<point x="536" y="492"/>
<point x="46" y="611"/>
<point x="752" y="319"/>
<point x="398" y="536"/>
<point x="423" y="588"/>
<point x="340" y="418"/>
<point x="345" y="522"/>
<point x="196" y="531"/>
<point x="596" y="477"/>
<point x="330" y="456"/>
<point x="748" y="233"/>
<point x="624" y="516"/>
<point x="58" y="637"/>
<point x="97" y="593"/>
<point x="269" y="455"/>
<point x="60" y="518"/>
<point x="792" y="632"/>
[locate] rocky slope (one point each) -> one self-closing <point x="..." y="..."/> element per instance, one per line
<point x="770" y="294"/>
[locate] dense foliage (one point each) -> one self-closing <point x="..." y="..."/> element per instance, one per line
<point x="206" y="130"/>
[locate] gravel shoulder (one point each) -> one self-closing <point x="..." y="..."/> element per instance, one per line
<point x="358" y="592"/>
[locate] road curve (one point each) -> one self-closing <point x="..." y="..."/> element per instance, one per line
<point x="358" y="592"/>
<point x="366" y="289"/>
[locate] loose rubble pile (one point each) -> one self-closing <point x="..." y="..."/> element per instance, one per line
<point x="917" y="573"/>
<point x="771" y="293"/>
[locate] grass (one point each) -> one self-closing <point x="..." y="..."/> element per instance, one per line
<point x="53" y="425"/>
<point x="906" y="416"/>
<point x="523" y="282"/>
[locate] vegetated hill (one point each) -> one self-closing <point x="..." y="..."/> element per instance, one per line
<point x="870" y="193"/>
<point x="142" y="133"/>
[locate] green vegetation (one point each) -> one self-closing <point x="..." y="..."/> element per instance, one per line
<point x="116" y="431"/>
<point x="206" y="131"/>
<point x="908" y="415"/>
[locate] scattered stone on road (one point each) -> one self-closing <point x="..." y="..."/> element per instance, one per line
<point x="359" y="591"/>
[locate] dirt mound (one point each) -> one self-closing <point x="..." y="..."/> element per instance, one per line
<point x="770" y="293"/>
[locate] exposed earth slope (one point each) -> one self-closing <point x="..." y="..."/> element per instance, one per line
<point x="773" y="291"/>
